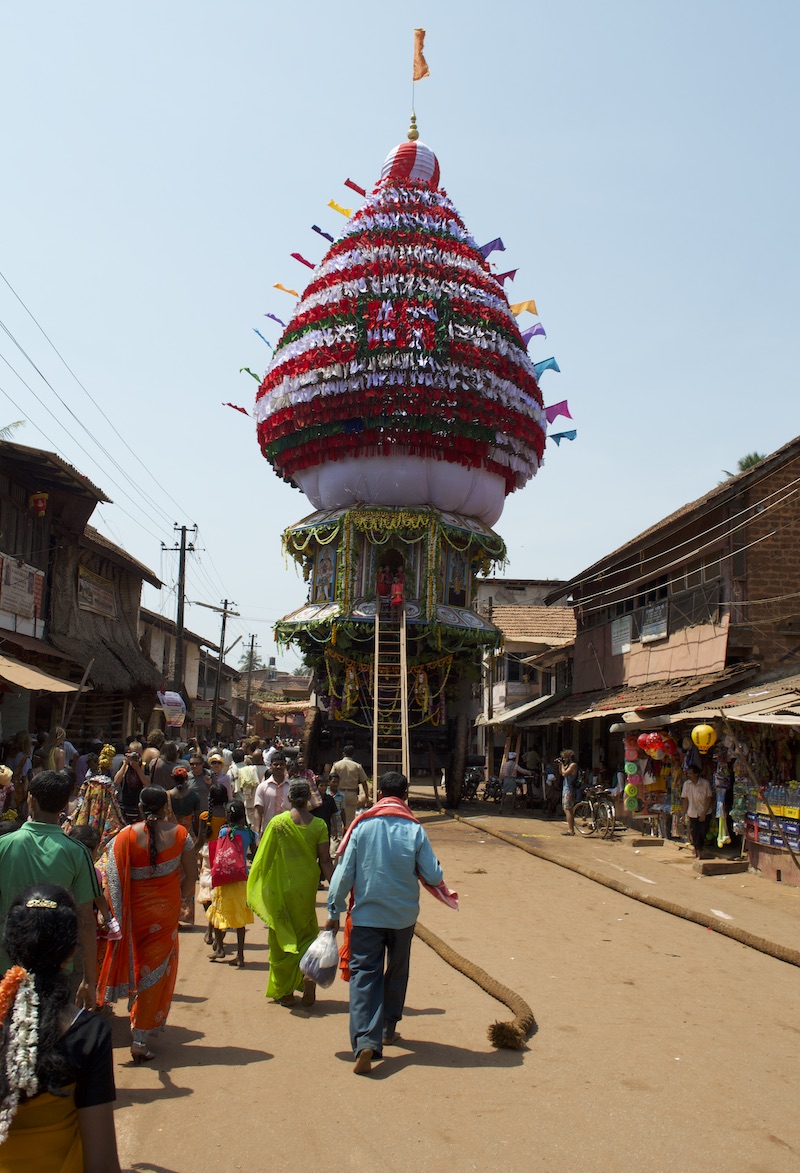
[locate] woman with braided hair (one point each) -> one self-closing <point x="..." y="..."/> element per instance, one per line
<point x="150" y="866"/>
<point x="56" y="1063"/>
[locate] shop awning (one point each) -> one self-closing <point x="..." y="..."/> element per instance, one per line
<point x="651" y="700"/>
<point x="32" y="679"/>
<point x="511" y="716"/>
<point x="775" y="702"/>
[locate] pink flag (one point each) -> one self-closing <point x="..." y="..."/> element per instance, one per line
<point x="299" y="257"/>
<point x="556" y="410"/>
<point x="509" y="276"/>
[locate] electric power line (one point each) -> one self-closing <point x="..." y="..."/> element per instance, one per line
<point x="87" y="393"/>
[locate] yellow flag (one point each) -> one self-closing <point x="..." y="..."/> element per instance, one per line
<point x="348" y="212"/>
<point x="293" y="292"/>
<point x="420" y="64"/>
<point x="520" y="307"/>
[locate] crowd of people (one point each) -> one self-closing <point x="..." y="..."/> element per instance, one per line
<point x="106" y="853"/>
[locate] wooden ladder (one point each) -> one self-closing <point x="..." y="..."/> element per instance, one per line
<point x="390" y="698"/>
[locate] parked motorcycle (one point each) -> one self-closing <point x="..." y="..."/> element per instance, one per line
<point x="472" y="780"/>
<point x="492" y="789"/>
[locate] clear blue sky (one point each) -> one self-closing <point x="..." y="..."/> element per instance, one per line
<point x="161" y="161"/>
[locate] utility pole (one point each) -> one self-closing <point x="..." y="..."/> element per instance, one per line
<point x="249" y="683"/>
<point x="224" y="611"/>
<point x="181" y="549"/>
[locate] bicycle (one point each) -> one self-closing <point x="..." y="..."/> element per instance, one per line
<point x="595" y="812"/>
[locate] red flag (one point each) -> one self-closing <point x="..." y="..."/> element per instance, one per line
<point x="354" y="186"/>
<point x="302" y="260"/>
<point x="509" y="276"/>
<point x="235" y="407"/>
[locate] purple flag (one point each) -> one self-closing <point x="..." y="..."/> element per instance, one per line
<point x="509" y="276"/>
<point x="536" y="331"/>
<point x="280" y="323"/>
<point x="494" y="246"/>
<point x="327" y="235"/>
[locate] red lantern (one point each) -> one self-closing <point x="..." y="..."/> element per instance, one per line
<point x="38" y="503"/>
<point x="670" y="747"/>
<point x="643" y="740"/>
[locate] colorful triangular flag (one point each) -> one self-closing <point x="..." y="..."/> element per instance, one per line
<point x="556" y="410"/>
<point x="535" y="331"/>
<point x="549" y="364"/>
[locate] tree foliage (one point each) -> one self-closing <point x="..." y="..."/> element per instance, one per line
<point x="745" y="462"/>
<point x="248" y="661"/>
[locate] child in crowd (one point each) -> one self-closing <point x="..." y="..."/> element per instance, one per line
<point x="211" y="823"/>
<point x="337" y="822"/>
<point x="229" y="908"/>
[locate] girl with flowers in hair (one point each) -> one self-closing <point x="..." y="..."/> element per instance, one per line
<point x="149" y="867"/>
<point x="56" y="1063"/>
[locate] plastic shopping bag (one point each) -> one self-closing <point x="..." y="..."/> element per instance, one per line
<point x="321" y="960"/>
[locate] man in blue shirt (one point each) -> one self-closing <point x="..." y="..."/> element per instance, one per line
<point x="385" y="852"/>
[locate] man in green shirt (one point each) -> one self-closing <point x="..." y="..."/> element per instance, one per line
<point x="41" y="852"/>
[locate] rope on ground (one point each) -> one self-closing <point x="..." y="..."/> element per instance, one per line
<point x="501" y="1034"/>
<point x="761" y="944"/>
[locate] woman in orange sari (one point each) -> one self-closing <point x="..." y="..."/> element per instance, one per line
<point x="150" y="866"/>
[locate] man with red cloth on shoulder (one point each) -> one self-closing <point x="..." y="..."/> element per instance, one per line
<point x="383" y="857"/>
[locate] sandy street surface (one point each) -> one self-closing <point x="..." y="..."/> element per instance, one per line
<point x="659" y="1044"/>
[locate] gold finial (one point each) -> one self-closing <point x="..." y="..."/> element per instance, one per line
<point x="413" y="133"/>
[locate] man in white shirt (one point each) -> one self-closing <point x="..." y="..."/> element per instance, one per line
<point x="272" y="795"/>
<point x="697" y="799"/>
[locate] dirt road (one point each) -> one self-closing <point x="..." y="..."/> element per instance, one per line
<point x="659" y="1044"/>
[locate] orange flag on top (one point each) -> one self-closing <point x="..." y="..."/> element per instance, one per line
<point x="420" y="64"/>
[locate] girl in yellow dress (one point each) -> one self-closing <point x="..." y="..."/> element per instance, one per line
<point x="228" y="908"/>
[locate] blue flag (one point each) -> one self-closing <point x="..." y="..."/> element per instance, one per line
<point x="549" y="364"/>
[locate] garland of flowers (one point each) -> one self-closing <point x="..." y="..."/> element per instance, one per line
<point x="18" y="993"/>
<point x="356" y="670"/>
<point x="403" y="342"/>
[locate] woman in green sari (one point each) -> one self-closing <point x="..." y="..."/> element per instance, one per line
<point x="282" y="890"/>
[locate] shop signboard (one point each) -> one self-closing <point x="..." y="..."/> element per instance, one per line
<point x="173" y="707"/>
<point x="654" y="623"/>
<point x="202" y="711"/>
<point x="20" y="588"/>
<point x="96" y="594"/>
<point x="621" y="632"/>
